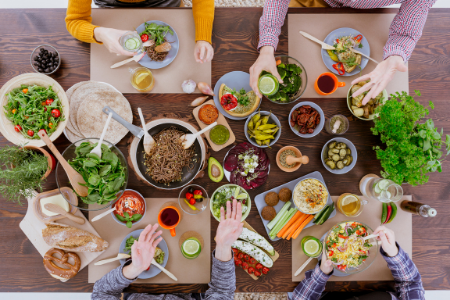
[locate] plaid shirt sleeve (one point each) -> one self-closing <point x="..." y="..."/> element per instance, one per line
<point x="271" y="22"/>
<point x="406" y="28"/>
<point x="312" y="286"/>
<point x="408" y="282"/>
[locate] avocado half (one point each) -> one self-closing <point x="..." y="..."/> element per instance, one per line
<point x="215" y="170"/>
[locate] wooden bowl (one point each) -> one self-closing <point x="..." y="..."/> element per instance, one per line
<point x="297" y="152"/>
<point x="7" y="127"/>
<point x="50" y="159"/>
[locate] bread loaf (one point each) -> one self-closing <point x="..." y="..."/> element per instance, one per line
<point x="72" y="239"/>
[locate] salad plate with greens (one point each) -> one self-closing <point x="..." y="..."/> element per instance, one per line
<point x="161" y="254"/>
<point x="229" y="192"/>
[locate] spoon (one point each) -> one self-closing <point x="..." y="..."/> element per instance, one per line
<point x="96" y="218"/>
<point x="188" y="139"/>
<point x="164" y="270"/>
<point x="149" y="142"/>
<point x="371" y="236"/>
<point x="75" y="178"/>
<point x="290" y="160"/>
<point x="108" y="260"/>
<point x="98" y="149"/>
<point x="59" y="210"/>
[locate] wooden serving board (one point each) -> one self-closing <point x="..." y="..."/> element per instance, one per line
<point x="221" y="121"/>
<point x="274" y="257"/>
<point x="32" y="226"/>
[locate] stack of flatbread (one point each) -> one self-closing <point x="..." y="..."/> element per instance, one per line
<point x="86" y="120"/>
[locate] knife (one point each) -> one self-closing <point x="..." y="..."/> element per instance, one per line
<point x="135" y="58"/>
<point x="324" y="45"/>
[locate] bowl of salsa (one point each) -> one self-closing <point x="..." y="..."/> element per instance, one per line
<point x="129" y="209"/>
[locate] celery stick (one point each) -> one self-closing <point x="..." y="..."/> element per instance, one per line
<point x="279" y="215"/>
<point x="280" y="221"/>
<point x="283" y="222"/>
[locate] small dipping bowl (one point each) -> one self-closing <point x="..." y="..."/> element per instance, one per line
<point x="297" y="165"/>
<point x="143" y="215"/>
<point x="221" y="129"/>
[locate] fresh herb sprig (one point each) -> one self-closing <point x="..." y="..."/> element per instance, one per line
<point x="241" y="97"/>
<point x="156" y="32"/>
<point x="128" y="219"/>
<point x="128" y="243"/>
<point x="413" y="149"/>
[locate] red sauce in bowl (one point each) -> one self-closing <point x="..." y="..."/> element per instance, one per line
<point x="130" y="202"/>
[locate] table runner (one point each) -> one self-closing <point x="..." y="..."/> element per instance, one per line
<point x="371" y="215"/>
<point x="192" y="271"/>
<point x="167" y="79"/>
<point x="375" y="27"/>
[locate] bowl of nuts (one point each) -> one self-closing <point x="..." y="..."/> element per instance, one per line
<point x="45" y="59"/>
<point x="339" y="155"/>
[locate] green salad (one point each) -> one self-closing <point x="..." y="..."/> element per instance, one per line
<point x="104" y="176"/>
<point x="32" y="108"/>
<point x="159" y="254"/>
<point x="229" y="193"/>
<point x="290" y="74"/>
<point x="156" y="33"/>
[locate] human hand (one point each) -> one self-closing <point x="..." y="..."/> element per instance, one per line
<point x="387" y="238"/>
<point x="230" y="227"/>
<point x="203" y="52"/>
<point x="326" y="265"/>
<point x="142" y="251"/>
<point x="380" y="77"/>
<point x="265" y="62"/>
<point x="110" y="39"/>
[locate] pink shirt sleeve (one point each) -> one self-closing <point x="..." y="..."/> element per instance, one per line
<point x="271" y="22"/>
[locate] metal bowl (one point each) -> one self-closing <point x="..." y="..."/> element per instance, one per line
<point x="318" y="128"/>
<point x="63" y="181"/>
<point x="349" y="144"/>
<point x="272" y="119"/>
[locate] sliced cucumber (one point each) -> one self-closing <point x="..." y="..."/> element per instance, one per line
<point x="383" y="184"/>
<point x="377" y="189"/>
<point x="131" y="44"/>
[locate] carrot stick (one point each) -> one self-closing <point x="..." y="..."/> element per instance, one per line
<point x="294" y="226"/>
<point x="288" y="224"/>
<point x="297" y="232"/>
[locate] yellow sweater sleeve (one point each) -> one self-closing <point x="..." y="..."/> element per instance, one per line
<point x="203" y="11"/>
<point x="78" y="20"/>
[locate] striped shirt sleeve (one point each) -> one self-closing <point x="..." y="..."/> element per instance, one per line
<point x="271" y="22"/>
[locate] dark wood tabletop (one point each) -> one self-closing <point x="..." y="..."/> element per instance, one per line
<point x="235" y="38"/>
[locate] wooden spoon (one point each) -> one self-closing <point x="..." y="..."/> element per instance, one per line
<point x="290" y="160"/>
<point x="108" y="260"/>
<point x="188" y="139"/>
<point x="75" y="178"/>
<point x="96" y="218"/>
<point x="59" y="210"/>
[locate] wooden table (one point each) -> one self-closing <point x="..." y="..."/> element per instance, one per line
<point x="235" y="39"/>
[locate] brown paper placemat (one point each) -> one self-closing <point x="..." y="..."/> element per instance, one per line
<point x="192" y="271"/>
<point x="375" y="27"/>
<point x="167" y="79"/>
<point x="371" y="215"/>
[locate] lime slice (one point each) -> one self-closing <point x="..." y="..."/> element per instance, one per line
<point x="236" y="193"/>
<point x="131" y="44"/>
<point x="242" y="196"/>
<point x="268" y="85"/>
<point x="311" y="247"/>
<point x="383" y="184"/>
<point x="191" y="247"/>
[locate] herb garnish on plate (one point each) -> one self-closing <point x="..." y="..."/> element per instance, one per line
<point x="156" y="32"/>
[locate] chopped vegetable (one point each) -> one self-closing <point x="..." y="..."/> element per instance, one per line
<point x="279" y="215"/>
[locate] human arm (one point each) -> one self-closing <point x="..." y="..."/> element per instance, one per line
<point x="408" y="282"/>
<point x="203" y="11"/>
<point x="404" y="33"/>
<point x="223" y="278"/>
<point x="313" y="285"/>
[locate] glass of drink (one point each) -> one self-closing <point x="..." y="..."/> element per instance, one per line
<point x="131" y="41"/>
<point x="381" y="189"/>
<point x="191" y="248"/>
<point x="142" y="79"/>
<point x="350" y="205"/>
<point x="311" y="246"/>
<point x="268" y="85"/>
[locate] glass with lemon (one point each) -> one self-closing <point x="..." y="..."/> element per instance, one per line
<point x="142" y="79"/>
<point x="350" y="205"/>
<point x="191" y="248"/>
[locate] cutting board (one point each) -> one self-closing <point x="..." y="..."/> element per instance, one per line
<point x="32" y="227"/>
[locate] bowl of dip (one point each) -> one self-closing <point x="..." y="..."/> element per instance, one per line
<point x="219" y="134"/>
<point x="132" y="203"/>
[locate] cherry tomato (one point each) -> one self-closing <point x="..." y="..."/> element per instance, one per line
<point x="56" y="113"/>
<point x="252" y="261"/>
<point x="30" y="132"/>
<point x="244" y="265"/>
<point x="14" y="111"/>
<point x="192" y="201"/>
<point x="189" y="196"/>
<point x="45" y="108"/>
<point x="257" y="273"/>
<point x="241" y="255"/>
<point x="236" y="251"/>
<point x="198" y="192"/>
<point x="246" y="257"/>
<point x="238" y="262"/>
<point x="228" y="101"/>
<point x="144" y="37"/>
<point x="251" y="270"/>
<point x="18" y="128"/>
<point x="25" y="91"/>
<point x="354" y="224"/>
<point x="265" y="270"/>
<point x="49" y="101"/>
<point x="50" y="125"/>
<point x="331" y="253"/>
<point x="259" y="266"/>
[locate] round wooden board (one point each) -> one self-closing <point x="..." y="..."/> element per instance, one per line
<point x="7" y="127"/>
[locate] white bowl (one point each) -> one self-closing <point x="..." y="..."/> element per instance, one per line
<point x="318" y="128"/>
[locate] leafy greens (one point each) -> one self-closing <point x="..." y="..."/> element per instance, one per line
<point x="290" y="74"/>
<point x="156" y="32"/>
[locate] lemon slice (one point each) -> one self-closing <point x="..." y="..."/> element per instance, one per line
<point x="311" y="247"/>
<point x="191" y="247"/>
<point x="141" y="77"/>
